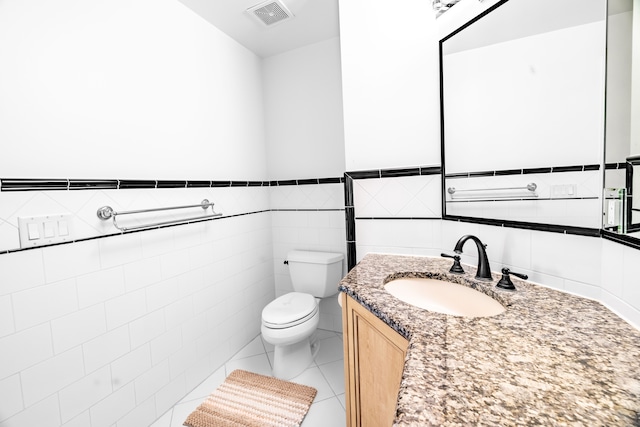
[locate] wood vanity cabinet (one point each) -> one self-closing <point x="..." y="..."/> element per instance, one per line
<point x="373" y="363"/>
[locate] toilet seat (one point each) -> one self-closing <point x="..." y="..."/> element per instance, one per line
<point x="289" y="310"/>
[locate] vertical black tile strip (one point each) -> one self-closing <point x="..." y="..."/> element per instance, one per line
<point x="350" y="221"/>
<point x="351" y="255"/>
<point x="350" y="218"/>
<point x="348" y="191"/>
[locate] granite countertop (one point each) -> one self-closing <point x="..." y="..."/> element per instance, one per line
<point x="550" y="359"/>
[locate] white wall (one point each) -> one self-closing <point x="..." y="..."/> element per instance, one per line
<point x="305" y="139"/>
<point x="303" y="112"/>
<point x="390" y="84"/>
<point x="115" y="330"/>
<point x="125" y="89"/>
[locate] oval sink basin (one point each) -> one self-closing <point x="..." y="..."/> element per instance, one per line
<point x="444" y="297"/>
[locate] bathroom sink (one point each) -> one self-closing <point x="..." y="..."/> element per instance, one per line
<point x="444" y="297"/>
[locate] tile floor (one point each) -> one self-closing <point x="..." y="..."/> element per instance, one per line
<point x="326" y="374"/>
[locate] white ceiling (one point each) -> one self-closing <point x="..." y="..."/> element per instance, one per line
<point x="314" y="21"/>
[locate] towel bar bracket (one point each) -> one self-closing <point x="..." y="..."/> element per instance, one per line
<point x="105" y="212"/>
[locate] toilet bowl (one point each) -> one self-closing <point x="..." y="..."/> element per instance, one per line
<point x="290" y="321"/>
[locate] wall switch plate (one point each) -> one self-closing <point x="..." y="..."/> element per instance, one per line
<point x="564" y="191"/>
<point x="44" y="230"/>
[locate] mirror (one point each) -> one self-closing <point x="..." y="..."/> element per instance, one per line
<point x="622" y="138"/>
<point x="523" y="114"/>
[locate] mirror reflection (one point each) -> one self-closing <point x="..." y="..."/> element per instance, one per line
<point x="522" y="105"/>
<point x="622" y="139"/>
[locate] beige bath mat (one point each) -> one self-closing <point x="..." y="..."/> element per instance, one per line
<point x="253" y="400"/>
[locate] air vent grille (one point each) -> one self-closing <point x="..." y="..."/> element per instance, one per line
<point x="270" y="13"/>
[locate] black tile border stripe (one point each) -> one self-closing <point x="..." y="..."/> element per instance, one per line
<point x="501" y="172"/>
<point x="307" y="181"/>
<point x="401" y="218"/>
<point x="564" y="229"/>
<point x="610" y="166"/>
<point x="136" y="183"/>
<point x="330" y="180"/>
<point x="171" y="184"/>
<point x="395" y="173"/>
<point x="33" y="184"/>
<point x="93" y="184"/>
<point x="524" y="199"/>
<point x="478" y="174"/>
<point x="525" y="171"/>
<point x="390" y="173"/>
<point x="199" y="184"/>
<point x="623" y="239"/>
<point x="36" y="184"/>
<point x="536" y="170"/>
<point x="308" y="210"/>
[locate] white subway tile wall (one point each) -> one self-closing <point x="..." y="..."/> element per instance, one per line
<point x="411" y="196"/>
<point x="312" y="229"/>
<point x="114" y="331"/>
<point x="83" y="205"/>
<point x="620" y="289"/>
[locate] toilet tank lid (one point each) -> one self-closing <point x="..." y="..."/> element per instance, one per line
<point x="314" y="257"/>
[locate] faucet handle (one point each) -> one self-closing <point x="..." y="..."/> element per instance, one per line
<point x="506" y="283"/>
<point x="456" y="268"/>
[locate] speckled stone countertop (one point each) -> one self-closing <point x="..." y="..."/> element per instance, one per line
<point x="550" y="359"/>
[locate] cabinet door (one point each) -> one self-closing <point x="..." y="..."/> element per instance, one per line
<point x="374" y="361"/>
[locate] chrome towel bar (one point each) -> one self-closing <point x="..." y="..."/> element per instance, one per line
<point x="106" y="212"/>
<point x="531" y="187"/>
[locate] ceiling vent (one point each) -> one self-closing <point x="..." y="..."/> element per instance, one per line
<point x="270" y="13"/>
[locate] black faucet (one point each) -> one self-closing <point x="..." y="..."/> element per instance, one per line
<point x="484" y="271"/>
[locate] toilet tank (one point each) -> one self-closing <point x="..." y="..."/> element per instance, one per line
<point x="315" y="273"/>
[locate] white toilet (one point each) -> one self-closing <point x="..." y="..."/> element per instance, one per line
<point x="289" y="321"/>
